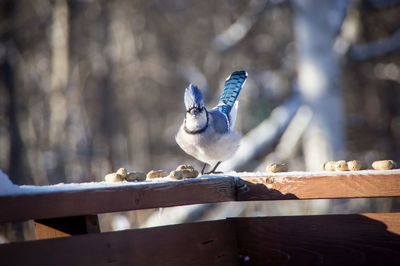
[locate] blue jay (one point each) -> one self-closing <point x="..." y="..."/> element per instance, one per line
<point x="209" y="135"/>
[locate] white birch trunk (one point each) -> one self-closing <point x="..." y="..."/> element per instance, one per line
<point x="316" y="25"/>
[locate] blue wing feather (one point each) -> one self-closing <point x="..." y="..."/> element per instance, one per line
<point x="232" y="88"/>
<point x="220" y="121"/>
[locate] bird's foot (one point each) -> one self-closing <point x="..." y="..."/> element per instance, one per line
<point x="213" y="172"/>
<point x="202" y="170"/>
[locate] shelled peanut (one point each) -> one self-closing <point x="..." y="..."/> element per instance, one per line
<point x="156" y="174"/>
<point x="277" y="167"/>
<point x="176" y="174"/>
<point x="123" y="175"/>
<point x="329" y="166"/>
<point x="184" y="172"/>
<point x="113" y="177"/>
<point x="384" y="165"/>
<point x="122" y="172"/>
<point x="355" y="165"/>
<point x="135" y="176"/>
<point x="342" y="165"/>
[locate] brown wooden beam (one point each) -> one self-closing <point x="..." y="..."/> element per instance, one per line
<point x="113" y="199"/>
<point x="354" y="239"/>
<point x="201" y="190"/>
<point x="319" y="186"/>
<point x="206" y="243"/>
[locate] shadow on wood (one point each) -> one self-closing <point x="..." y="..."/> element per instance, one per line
<point x="365" y="239"/>
<point x="370" y="239"/>
<point x="66" y="226"/>
<point x="206" y="243"/>
<point x="259" y="188"/>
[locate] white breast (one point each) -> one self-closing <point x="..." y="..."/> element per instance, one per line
<point x="208" y="146"/>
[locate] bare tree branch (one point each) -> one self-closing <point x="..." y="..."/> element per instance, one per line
<point x="238" y="30"/>
<point x="263" y="138"/>
<point x="377" y="48"/>
<point x="381" y="3"/>
<point x="291" y="138"/>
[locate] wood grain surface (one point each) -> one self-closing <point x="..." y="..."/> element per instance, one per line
<point x="113" y="199"/>
<point x="352" y="239"/>
<point x="320" y="186"/>
<point x="355" y="239"/>
<point x="201" y="190"/>
<point x="206" y="243"/>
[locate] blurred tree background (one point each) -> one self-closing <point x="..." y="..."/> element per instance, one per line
<point x="89" y="86"/>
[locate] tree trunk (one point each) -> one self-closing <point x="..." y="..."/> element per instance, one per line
<point x="316" y="25"/>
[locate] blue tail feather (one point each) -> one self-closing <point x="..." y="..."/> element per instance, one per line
<point x="232" y="87"/>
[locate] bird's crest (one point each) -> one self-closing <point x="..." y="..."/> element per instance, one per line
<point x="193" y="97"/>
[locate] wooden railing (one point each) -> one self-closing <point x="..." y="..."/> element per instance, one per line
<point x="351" y="239"/>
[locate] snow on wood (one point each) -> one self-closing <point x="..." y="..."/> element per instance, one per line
<point x="319" y="185"/>
<point x="62" y="200"/>
<point x="6" y="186"/>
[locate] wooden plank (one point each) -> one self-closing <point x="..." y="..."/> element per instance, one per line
<point x="206" y="243"/>
<point x="113" y="199"/>
<point x="201" y="190"/>
<point x="320" y="185"/>
<point x="66" y="226"/>
<point x="356" y="239"/>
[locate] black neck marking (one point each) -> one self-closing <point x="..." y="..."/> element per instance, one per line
<point x="201" y="130"/>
